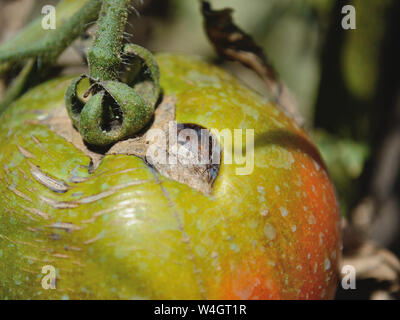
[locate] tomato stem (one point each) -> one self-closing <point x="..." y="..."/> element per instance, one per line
<point x="105" y="56"/>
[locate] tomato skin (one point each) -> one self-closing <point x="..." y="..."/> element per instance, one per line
<point x="126" y="232"/>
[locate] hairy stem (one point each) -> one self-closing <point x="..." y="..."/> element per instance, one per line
<point x="105" y="56"/>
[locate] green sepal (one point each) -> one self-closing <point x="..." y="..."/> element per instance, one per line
<point x="134" y="111"/>
<point x="72" y="101"/>
<point x="149" y="87"/>
<point x="134" y="102"/>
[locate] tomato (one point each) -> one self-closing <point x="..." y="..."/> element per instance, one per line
<point x="124" y="231"/>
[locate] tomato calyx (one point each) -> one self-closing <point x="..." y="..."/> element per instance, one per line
<point x="124" y="83"/>
<point x="114" y="110"/>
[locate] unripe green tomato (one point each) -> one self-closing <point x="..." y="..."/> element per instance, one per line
<point x="126" y="232"/>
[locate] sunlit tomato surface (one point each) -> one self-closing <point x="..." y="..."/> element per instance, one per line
<point x="126" y="232"/>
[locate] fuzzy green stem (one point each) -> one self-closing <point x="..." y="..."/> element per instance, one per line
<point x="105" y="56"/>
